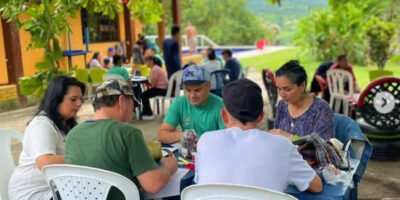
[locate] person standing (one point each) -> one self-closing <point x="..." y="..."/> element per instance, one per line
<point x="191" y="36"/>
<point x="171" y="50"/>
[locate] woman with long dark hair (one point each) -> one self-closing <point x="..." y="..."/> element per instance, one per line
<point x="44" y="137"/>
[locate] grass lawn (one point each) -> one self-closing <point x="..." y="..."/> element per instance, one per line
<point x="274" y="60"/>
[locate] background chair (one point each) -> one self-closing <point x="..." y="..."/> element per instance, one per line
<point x="218" y="79"/>
<point x="7" y="165"/>
<point x="173" y="90"/>
<point x="244" y="73"/>
<point x="87" y="182"/>
<point x="229" y="191"/>
<point x="96" y="77"/>
<point x="337" y="81"/>
<point x="360" y="149"/>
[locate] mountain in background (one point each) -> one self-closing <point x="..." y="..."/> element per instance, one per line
<point x="285" y="15"/>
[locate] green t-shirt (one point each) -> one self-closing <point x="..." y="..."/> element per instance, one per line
<point x="119" y="71"/>
<point x="200" y="118"/>
<point x="109" y="145"/>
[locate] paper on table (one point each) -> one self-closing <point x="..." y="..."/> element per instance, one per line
<point x="172" y="188"/>
<point x="172" y="149"/>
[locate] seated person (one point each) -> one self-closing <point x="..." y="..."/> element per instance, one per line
<point x="152" y="52"/>
<point x="243" y="154"/>
<point x="234" y="66"/>
<point x="96" y="60"/>
<point x="44" y="138"/>
<point x="212" y="63"/>
<point x="158" y="82"/>
<point x="107" y="64"/>
<point x="198" y="110"/>
<point x="321" y="71"/>
<point x="117" y="69"/>
<point x="299" y="113"/>
<point x="106" y="142"/>
<point x="344" y="65"/>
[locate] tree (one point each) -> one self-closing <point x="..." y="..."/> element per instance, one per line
<point x="379" y="35"/>
<point x="328" y="33"/>
<point x="47" y="20"/>
<point x="343" y="28"/>
<point x="224" y="21"/>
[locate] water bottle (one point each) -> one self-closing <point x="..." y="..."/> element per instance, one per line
<point x="189" y="141"/>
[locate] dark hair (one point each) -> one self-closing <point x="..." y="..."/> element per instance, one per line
<point x="106" y="61"/>
<point x="95" y="55"/>
<point x="151" y="58"/>
<point x="227" y="52"/>
<point x="175" y="29"/>
<point x="342" y="56"/>
<point x="54" y="96"/>
<point x="117" y="60"/>
<point x="211" y="54"/>
<point x="293" y="71"/>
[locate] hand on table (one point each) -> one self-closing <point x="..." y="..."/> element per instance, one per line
<point x="170" y="163"/>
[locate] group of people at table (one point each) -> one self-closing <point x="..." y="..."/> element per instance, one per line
<point x="230" y="149"/>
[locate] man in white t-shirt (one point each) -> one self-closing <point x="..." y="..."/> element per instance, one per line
<point x="242" y="154"/>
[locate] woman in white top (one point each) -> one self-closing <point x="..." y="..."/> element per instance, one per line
<point x="44" y="137"/>
<point x="212" y="64"/>
<point x="96" y="60"/>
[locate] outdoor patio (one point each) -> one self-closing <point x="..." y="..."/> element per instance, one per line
<point x="381" y="181"/>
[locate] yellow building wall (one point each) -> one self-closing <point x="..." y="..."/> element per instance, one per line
<point x="3" y="66"/>
<point x="30" y="57"/>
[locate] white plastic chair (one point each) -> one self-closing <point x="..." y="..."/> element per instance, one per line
<point x="231" y="192"/>
<point x="174" y="85"/>
<point x="336" y="84"/>
<point x="244" y="72"/>
<point x="7" y="165"/>
<point x="80" y="182"/>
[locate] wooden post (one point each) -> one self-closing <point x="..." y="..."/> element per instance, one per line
<point x="161" y="30"/>
<point x="12" y="48"/>
<point x="129" y="32"/>
<point x="176" y="20"/>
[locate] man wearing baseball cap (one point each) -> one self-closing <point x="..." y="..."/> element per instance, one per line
<point x="243" y="154"/>
<point x="108" y="143"/>
<point x="198" y="110"/>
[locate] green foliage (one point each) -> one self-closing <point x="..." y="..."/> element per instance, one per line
<point x="328" y="33"/>
<point x="379" y="34"/>
<point x="225" y="22"/>
<point x="355" y="28"/>
<point x="284" y="16"/>
<point x="146" y="11"/>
